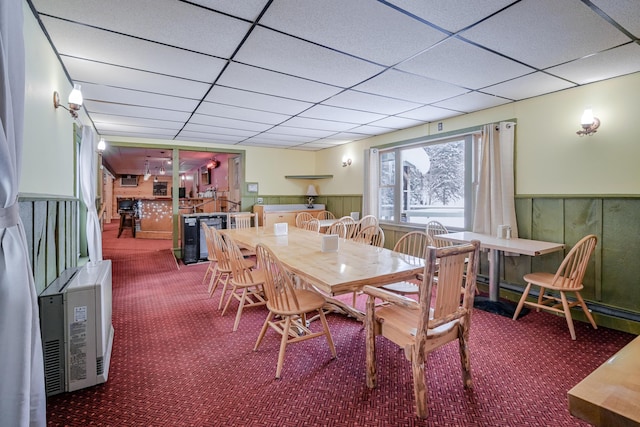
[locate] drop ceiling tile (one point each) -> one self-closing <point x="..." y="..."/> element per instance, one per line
<point x="338" y="114"/>
<point x="569" y="30"/>
<point x="94" y="92"/>
<point x="110" y="128"/>
<point x="238" y="113"/>
<point x="245" y="9"/>
<point x="297" y="131"/>
<point x="242" y="98"/>
<point x="271" y="83"/>
<point x="472" y="101"/>
<point x="133" y="111"/>
<point x="366" y="29"/>
<point x="409" y="87"/>
<point x="624" y="12"/>
<point x="110" y="75"/>
<point x="429" y="113"/>
<point x="136" y="134"/>
<point x="99" y="119"/>
<point x="308" y="123"/>
<point x="463" y="64"/>
<point x="165" y="21"/>
<point x="190" y="132"/>
<point x="367" y="102"/>
<point x="372" y="130"/>
<point x="199" y="119"/>
<point x="80" y="41"/>
<point x="452" y="15"/>
<point x="605" y="65"/>
<point x="396" y="122"/>
<point x="347" y="136"/>
<point x="200" y="138"/>
<point x="528" y="86"/>
<point x="285" y="54"/>
<point x="286" y="139"/>
<point x="266" y="142"/>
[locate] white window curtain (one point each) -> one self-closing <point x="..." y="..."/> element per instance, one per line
<point x="495" y="203"/>
<point x="88" y="160"/>
<point x="22" y="391"/>
<point x="371" y="175"/>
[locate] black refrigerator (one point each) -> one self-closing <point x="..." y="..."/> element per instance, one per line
<point x="194" y="246"/>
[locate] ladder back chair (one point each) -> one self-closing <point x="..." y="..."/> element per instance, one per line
<point x="288" y="307"/>
<point x="437" y="318"/>
<point x="245" y="220"/>
<point x="567" y="279"/>
<point x="246" y="283"/>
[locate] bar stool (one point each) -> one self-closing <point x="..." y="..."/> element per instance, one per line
<point x="127" y="219"/>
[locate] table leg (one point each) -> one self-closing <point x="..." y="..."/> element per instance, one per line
<point x="494" y="274"/>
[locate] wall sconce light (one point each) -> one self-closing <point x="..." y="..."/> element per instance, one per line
<point x="213" y="163"/>
<point x="102" y="144"/>
<point x="589" y="123"/>
<point x="311" y="193"/>
<point x="346" y="163"/>
<point x="75" y="101"/>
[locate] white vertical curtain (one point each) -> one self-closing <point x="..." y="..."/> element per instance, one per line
<point x="371" y="174"/>
<point x="495" y="204"/>
<point x="22" y="392"/>
<point x="88" y="169"/>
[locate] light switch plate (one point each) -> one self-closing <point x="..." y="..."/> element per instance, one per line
<point x="260" y="200"/>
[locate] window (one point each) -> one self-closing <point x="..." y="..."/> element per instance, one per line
<point x="428" y="181"/>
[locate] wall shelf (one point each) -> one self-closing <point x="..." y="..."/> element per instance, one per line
<point x="308" y="176"/>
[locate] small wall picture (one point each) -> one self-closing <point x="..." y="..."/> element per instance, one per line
<point x="252" y="187"/>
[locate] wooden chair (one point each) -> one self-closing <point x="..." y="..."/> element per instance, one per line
<point x="414" y="246"/>
<point x="325" y="215"/>
<point x="434" y="228"/>
<point x="211" y="257"/>
<point x="312" y="225"/>
<point x="288" y="307"/>
<point x="303" y="217"/>
<point x="338" y="228"/>
<point x="372" y="235"/>
<point x="420" y="327"/>
<point x="246" y="284"/>
<point x="568" y="278"/>
<point x="365" y="221"/>
<point x="350" y="225"/>
<point x="244" y="220"/>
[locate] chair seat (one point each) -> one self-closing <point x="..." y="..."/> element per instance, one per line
<point x="307" y="301"/>
<point x="546" y="279"/>
<point x="257" y="276"/>
<point x="402" y="288"/>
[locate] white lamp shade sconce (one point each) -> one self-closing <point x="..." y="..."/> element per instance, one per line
<point x="75" y="101"/>
<point x="346" y="162"/>
<point x="589" y="123"/>
<point x="102" y="144"/>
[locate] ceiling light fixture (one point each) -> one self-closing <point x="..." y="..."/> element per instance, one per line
<point x="147" y="173"/>
<point x="589" y="123"/>
<point x="162" y="169"/>
<point x="75" y="101"/>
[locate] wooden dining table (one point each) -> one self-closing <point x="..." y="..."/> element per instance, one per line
<point x="346" y="270"/>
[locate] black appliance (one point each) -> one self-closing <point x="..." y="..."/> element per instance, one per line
<point x="194" y="245"/>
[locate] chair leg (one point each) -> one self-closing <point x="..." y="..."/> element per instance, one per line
<point x="370" y="343"/>
<point x="327" y="333"/>
<point x="567" y="314"/>
<point x="224" y="290"/>
<point x="240" y="308"/>
<point x="419" y="383"/>
<point x="586" y="310"/>
<point x="263" y="330"/>
<point x="283" y="345"/>
<point x="465" y="357"/>
<point x="522" y="300"/>
<point x="233" y="291"/>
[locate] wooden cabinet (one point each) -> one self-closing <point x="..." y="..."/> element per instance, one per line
<point x="272" y="214"/>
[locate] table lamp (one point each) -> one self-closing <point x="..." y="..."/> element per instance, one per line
<point x="311" y="193"/>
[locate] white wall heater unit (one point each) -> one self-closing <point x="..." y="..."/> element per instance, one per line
<point x="77" y="334"/>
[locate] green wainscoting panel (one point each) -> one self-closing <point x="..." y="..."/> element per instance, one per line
<point x="338" y="205"/>
<point x="620" y="253"/>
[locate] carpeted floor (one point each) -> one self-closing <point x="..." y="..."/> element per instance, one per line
<point x="175" y="362"/>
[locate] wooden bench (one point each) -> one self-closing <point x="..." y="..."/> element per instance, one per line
<point x="610" y="395"/>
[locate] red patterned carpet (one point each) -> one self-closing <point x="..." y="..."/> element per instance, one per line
<point x="175" y="362"/>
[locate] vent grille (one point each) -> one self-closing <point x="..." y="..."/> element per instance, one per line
<point x="53" y="367"/>
<point x="129" y="181"/>
<point x="100" y="366"/>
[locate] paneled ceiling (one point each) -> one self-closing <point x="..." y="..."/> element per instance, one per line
<point x="309" y="74"/>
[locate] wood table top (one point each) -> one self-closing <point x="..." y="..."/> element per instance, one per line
<point x="514" y="245"/>
<point x="353" y="266"/>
